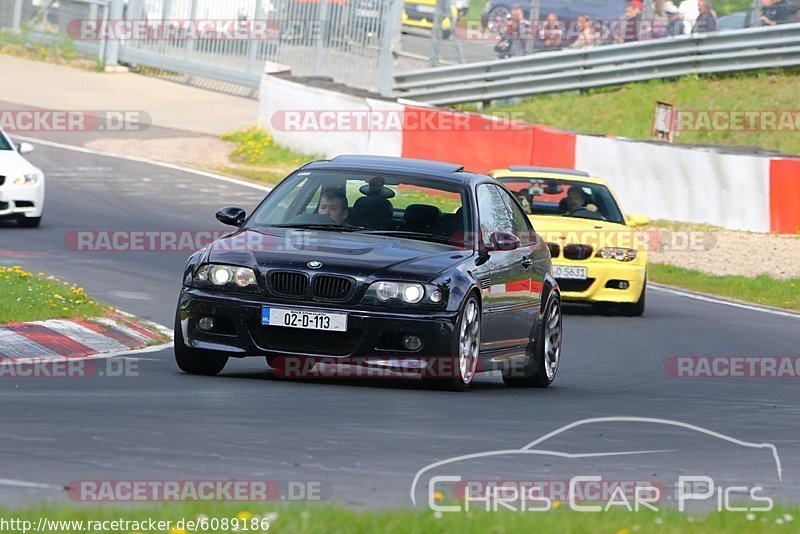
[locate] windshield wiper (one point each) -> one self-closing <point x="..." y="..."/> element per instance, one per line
<point x="328" y="227"/>
<point x="415" y="235"/>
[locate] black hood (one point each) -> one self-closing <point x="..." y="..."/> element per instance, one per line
<point x="352" y="253"/>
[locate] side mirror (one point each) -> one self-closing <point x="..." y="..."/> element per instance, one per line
<point x="638" y="220"/>
<point x="504" y="241"/>
<point x="232" y="216"/>
<point x="25" y="148"/>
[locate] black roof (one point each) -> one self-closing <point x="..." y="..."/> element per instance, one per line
<point x="359" y="162"/>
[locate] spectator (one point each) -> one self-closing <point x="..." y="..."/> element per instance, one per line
<point x="588" y="36"/>
<point x="777" y="12"/>
<point x="707" y="19"/>
<point x="630" y="25"/>
<point x="675" y="25"/>
<point x="660" y="19"/>
<point x="517" y="33"/>
<point x="689" y="10"/>
<point x="551" y="33"/>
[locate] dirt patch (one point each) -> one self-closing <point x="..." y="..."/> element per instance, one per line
<point x="727" y="252"/>
<point x="197" y="151"/>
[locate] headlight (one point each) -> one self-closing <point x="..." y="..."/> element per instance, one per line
<point x="226" y="275"/>
<point x="384" y="292"/>
<point x="619" y="254"/>
<point x="27" y="179"/>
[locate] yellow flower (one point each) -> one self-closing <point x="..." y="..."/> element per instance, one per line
<point x="438" y="495"/>
<point x="556" y="505"/>
<point x="623" y="531"/>
<point x="176" y="530"/>
<point x="243" y="515"/>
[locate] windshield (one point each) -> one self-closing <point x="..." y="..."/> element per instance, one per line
<point x="564" y="198"/>
<point x="4" y="144"/>
<point x="349" y="201"/>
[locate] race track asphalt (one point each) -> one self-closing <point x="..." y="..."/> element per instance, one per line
<point x="364" y="439"/>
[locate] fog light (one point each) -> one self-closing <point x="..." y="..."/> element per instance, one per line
<point x="412" y="343"/>
<point x="623" y="284"/>
<point x="206" y="324"/>
<point x="436" y="296"/>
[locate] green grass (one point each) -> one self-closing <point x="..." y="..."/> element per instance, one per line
<point x="28" y="297"/>
<point x="336" y="519"/>
<point x="256" y="147"/>
<point x="762" y="290"/>
<point x="258" y="158"/>
<point x="627" y="110"/>
<point x="60" y="50"/>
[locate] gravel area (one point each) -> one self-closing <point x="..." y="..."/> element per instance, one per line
<point x="722" y="252"/>
<point x="202" y="151"/>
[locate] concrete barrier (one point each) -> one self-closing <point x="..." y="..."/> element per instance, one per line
<point x="675" y="182"/>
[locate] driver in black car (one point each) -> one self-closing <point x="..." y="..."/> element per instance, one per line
<point x="333" y="203"/>
<point x="576" y="200"/>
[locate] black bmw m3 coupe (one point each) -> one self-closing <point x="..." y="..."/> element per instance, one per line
<point x="380" y="262"/>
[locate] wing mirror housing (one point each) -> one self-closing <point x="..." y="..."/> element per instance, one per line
<point x="504" y="241"/>
<point x="638" y="220"/>
<point x="232" y="216"/>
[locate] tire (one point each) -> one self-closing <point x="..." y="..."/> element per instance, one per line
<point x="544" y="352"/>
<point x="29" y="222"/>
<point x="637" y="308"/>
<point x="196" y="361"/>
<point x="465" y="351"/>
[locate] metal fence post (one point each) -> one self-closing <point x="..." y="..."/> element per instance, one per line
<point x="321" y="38"/>
<point x="188" y="52"/>
<point x="436" y="32"/>
<point x="390" y="41"/>
<point x="115" y="13"/>
<point x="255" y="44"/>
<point x="755" y="14"/>
<point x="16" y="22"/>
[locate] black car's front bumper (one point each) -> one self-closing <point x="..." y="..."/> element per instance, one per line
<point x="371" y="335"/>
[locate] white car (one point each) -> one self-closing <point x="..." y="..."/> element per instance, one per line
<point x="21" y="185"/>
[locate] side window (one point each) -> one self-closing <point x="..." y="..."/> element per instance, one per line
<point x="493" y="212"/>
<point x="521" y="224"/>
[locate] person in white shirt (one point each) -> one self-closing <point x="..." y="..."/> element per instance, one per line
<point x="689" y="11"/>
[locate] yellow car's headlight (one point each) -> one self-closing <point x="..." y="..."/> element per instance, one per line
<point x="619" y="254"/>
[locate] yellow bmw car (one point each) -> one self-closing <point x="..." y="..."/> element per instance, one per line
<point x="597" y="257"/>
<point x="420" y="14"/>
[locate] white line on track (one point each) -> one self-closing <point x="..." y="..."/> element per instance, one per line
<point x="714" y="300"/>
<point x="102" y="356"/>
<point x="144" y="160"/>
<point x="8" y="482"/>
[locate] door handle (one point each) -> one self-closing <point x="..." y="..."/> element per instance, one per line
<point x="526" y="262"/>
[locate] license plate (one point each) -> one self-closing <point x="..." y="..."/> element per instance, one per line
<point x="570" y="273"/>
<point x="309" y="320"/>
<point x="426" y="9"/>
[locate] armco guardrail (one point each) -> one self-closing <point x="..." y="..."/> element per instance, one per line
<point x="566" y="70"/>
